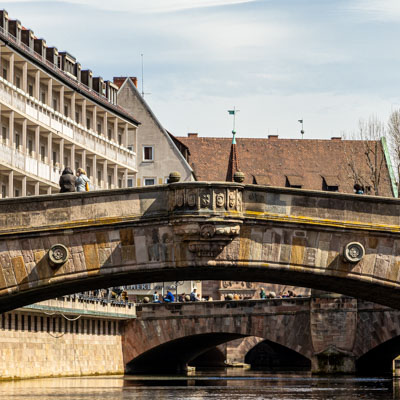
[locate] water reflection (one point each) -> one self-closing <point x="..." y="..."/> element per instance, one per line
<point x="231" y="384"/>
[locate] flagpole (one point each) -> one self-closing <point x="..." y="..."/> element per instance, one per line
<point x="234" y="119"/>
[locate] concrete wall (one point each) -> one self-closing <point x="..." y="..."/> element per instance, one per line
<point x="166" y="157"/>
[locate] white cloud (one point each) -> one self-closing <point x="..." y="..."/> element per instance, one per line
<point x="149" y="6"/>
<point x="377" y="9"/>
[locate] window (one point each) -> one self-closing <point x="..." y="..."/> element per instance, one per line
<point x="66" y="161"/>
<point x="30" y="146"/>
<point x="130" y="147"/>
<point x="76" y="165"/>
<point x="99" y="128"/>
<point x="18" y="82"/>
<point x="77" y="119"/>
<point x="88" y="171"/>
<point x="294" y="181"/>
<point x="66" y="111"/>
<point x="109" y="179"/>
<point x="120" y="139"/>
<point x="17" y="141"/>
<point x="88" y="123"/>
<point x="149" y="181"/>
<point x="42" y="152"/>
<point x="16" y="193"/>
<point x="98" y="177"/>
<point x="30" y="90"/>
<point x="120" y="183"/>
<point x="55" y="104"/>
<point x="109" y="133"/>
<point x="148" y="153"/>
<point x="130" y="182"/>
<point x="3" y="191"/>
<point x="5" y="73"/>
<point x="330" y="183"/>
<point x="54" y="157"/>
<point x="43" y="97"/>
<point x="4" y="133"/>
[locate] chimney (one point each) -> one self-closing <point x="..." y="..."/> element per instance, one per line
<point x="193" y="135"/>
<point x="134" y="80"/>
<point x="273" y="137"/>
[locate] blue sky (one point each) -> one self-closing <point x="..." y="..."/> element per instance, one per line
<point x="329" y="62"/>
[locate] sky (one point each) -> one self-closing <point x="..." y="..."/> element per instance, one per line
<point x="327" y="62"/>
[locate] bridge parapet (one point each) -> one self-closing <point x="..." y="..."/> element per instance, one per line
<point x="222" y="308"/>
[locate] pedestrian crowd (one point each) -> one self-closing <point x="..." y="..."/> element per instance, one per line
<point x="181" y="298"/>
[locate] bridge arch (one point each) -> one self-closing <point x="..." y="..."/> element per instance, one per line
<point x="198" y="230"/>
<point x="206" y="325"/>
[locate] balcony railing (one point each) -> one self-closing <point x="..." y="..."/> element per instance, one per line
<point x="77" y="85"/>
<point x="14" y="158"/>
<point x="88" y="139"/>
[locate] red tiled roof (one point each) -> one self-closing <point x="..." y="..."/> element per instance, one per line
<point x="273" y="161"/>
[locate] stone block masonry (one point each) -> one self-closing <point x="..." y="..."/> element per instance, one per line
<point x="40" y="341"/>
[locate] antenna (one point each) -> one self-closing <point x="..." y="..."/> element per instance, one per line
<point x="302" y="130"/>
<point x="142" y="76"/>
<point x="143" y="93"/>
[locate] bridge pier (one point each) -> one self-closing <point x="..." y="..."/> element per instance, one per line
<point x="333" y="324"/>
<point x="333" y="361"/>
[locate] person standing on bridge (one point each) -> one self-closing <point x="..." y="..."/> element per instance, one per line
<point x="156" y="297"/>
<point x="193" y="295"/>
<point x="82" y="181"/>
<point x="263" y="295"/>
<point x="67" y="181"/>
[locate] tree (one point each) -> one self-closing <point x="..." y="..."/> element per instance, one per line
<point x="394" y="141"/>
<point x="366" y="161"/>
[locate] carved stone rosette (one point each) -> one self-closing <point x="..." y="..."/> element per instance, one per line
<point x="215" y="199"/>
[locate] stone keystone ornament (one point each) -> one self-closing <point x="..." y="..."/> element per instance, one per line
<point x="58" y="255"/>
<point x="354" y="252"/>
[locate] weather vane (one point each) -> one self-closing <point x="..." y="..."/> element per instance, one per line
<point x="302" y="130"/>
<point x="233" y="112"/>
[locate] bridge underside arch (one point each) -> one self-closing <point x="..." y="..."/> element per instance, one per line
<point x="379" y="360"/>
<point x="270" y="356"/>
<point x="213" y="358"/>
<point x="174" y="356"/>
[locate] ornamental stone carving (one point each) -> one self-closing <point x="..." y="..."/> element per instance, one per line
<point x="354" y="252"/>
<point x="231" y="199"/>
<point x="58" y="255"/>
<point x="191" y="198"/>
<point x="207" y="231"/>
<point x="180" y="197"/>
<point x="205" y="200"/>
<point x="220" y="199"/>
<point x="206" y="249"/>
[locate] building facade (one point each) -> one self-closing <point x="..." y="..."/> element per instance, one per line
<point x="158" y="152"/>
<point x="54" y="115"/>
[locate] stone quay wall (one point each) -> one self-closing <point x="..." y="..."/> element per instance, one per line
<point x="62" y="338"/>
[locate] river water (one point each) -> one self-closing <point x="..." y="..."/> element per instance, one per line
<point x="232" y="384"/>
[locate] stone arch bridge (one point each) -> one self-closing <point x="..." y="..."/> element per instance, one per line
<point x="334" y="334"/>
<point x="60" y="244"/>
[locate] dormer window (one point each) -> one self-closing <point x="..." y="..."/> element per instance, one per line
<point x="330" y="183"/>
<point x="294" y="181"/>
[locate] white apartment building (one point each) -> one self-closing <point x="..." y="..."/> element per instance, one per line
<point x="54" y="115"/>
